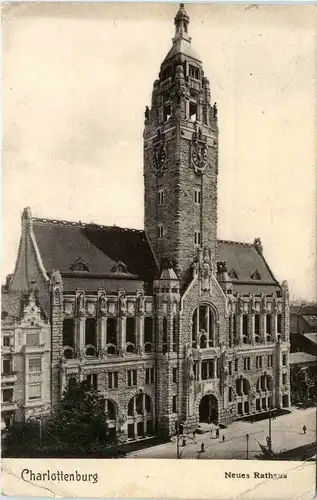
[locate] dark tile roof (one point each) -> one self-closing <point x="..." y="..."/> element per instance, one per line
<point x="11" y="304"/>
<point x="61" y="244"/>
<point x="244" y="259"/>
<point x="97" y="249"/>
<point x="311" y="320"/>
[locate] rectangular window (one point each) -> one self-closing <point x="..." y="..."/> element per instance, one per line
<point x="130" y="330"/>
<point x="284" y="360"/>
<point x="112" y="380"/>
<point x="160" y="231"/>
<point x="197" y="196"/>
<point x="90" y="332"/>
<point x="148" y="329"/>
<point x="6" y="341"/>
<point x="270" y="360"/>
<point x="257" y="324"/>
<point x="193" y="111"/>
<point x="6" y="365"/>
<point x="68" y="332"/>
<point x="32" y="339"/>
<point x="149" y="376"/>
<point x="279" y="323"/>
<point x="132" y="378"/>
<point x="258" y="361"/>
<point x="112" y="331"/>
<point x="268" y="324"/>
<point x="167" y="113"/>
<point x="197" y="238"/>
<point x="7" y="395"/>
<point x="230" y="394"/>
<point x="160" y="197"/>
<point x="35" y="391"/>
<point x="193" y="72"/>
<point x="34" y="364"/>
<point x="247" y="364"/>
<point x="174" y="375"/>
<point x="230" y="367"/>
<point x="284" y="378"/>
<point x="236" y="365"/>
<point x="245" y="325"/>
<point x="174" y="409"/>
<point x="92" y="380"/>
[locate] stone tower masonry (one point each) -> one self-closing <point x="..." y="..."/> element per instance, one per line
<point x="181" y="158"/>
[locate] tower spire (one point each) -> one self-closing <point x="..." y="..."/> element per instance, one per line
<point x="181" y="22"/>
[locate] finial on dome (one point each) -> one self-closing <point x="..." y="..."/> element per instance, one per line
<point x="181" y="22"/>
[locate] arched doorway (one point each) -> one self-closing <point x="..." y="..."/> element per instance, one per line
<point x="208" y="409"/>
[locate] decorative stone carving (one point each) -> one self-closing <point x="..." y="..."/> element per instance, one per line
<point x="131" y="307"/>
<point x="159" y="158"/>
<point x="122" y="303"/>
<point x="91" y="308"/>
<point x="252" y="303"/>
<point x="148" y="307"/>
<point x="102" y="303"/>
<point x="111" y="308"/>
<point x="190" y="367"/>
<point x="140" y="303"/>
<point x="203" y="266"/>
<point x="68" y="308"/>
<point x="285" y="289"/>
<point x="199" y="153"/>
<point x="80" y="303"/>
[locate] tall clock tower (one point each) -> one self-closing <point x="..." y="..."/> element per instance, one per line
<point x="181" y="158"/>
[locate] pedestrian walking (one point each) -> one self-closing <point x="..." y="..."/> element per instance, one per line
<point x="304" y="429"/>
<point x="210" y="432"/>
<point x="223" y="438"/>
<point x="217" y="433"/>
<point x="194" y="434"/>
<point x="202" y="447"/>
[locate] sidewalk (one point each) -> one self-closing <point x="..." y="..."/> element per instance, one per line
<point x="286" y="434"/>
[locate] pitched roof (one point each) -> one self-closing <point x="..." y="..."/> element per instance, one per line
<point x="301" y="357"/>
<point x="311" y="320"/>
<point x="246" y="261"/>
<point x="62" y="244"/>
<point x="11" y="304"/>
<point x="311" y="336"/>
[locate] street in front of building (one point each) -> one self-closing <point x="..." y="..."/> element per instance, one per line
<point x="287" y="433"/>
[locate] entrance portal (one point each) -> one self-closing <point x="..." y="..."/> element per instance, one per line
<point x="208" y="409"/>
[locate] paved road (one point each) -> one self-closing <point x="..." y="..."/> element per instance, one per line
<point x="287" y="433"/>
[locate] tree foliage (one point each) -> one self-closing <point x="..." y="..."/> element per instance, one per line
<point x="77" y="429"/>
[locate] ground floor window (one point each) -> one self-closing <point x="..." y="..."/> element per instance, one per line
<point x="140" y="416"/>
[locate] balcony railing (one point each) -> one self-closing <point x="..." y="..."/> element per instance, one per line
<point x="9" y="377"/>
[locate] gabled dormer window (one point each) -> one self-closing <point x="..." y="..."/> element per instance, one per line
<point x="233" y="275"/>
<point x="79" y="265"/>
<point x="256" y="275"/>
<point x="119" y="267"/>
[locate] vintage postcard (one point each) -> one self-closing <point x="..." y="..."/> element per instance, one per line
<point x="159" y="309"/>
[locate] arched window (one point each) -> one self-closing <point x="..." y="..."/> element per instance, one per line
<point x="111" y="410"/>
<point x="203" y="327"/>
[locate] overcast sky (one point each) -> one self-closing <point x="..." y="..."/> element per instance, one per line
<point x="77" y="78"/>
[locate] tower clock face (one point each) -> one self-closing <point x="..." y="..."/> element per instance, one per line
<point x="159" y="159"/>
<point x="199" y="156"/>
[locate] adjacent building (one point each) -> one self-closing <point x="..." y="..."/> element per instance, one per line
<point x="25" y="358"/>
<point x="170" y="323"/>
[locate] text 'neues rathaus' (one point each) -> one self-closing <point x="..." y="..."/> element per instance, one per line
<point x="170" y="323"/>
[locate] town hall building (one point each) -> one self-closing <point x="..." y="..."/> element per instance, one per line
<point x="170" y="324"/>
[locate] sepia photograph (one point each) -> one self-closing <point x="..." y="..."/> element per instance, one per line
<point x="159" y="233"/>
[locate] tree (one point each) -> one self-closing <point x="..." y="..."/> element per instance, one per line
<point x="77" y="429"/>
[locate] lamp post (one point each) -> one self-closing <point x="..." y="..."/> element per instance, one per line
<point x="247" y="436"/>
<point x="177" y="439"/>
<point x="270" y="433"/>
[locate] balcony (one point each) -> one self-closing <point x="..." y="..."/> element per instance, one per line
<point x="9" y="377"/>
<point x="32" y="349"/>
<point x="9" y="406"/>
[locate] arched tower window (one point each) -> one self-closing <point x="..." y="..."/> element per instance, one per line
<point x="203" y="327"/>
